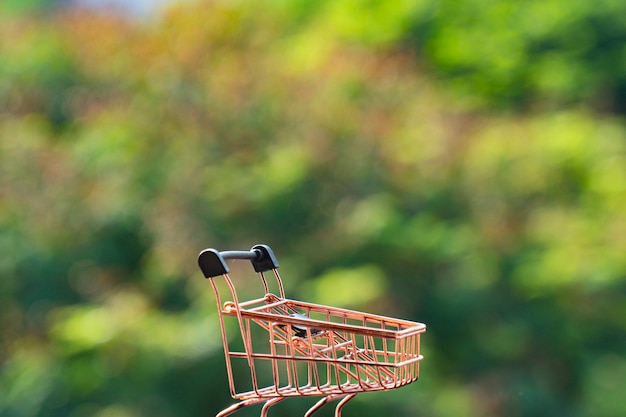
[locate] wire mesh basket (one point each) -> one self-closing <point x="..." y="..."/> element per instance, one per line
<point x="292" y="348"/>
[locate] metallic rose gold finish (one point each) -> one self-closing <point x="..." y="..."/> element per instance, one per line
<point x="268" y="404"/>
<point x="296" y="349"/>
<point x="327" y="399"/>
<point x="342" y="403"/>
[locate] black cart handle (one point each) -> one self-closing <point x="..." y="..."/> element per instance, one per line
<point x="252" y="255"/>
<point x="213" y="262"/>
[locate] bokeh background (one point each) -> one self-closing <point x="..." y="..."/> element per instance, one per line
<point x="457" y="162"/>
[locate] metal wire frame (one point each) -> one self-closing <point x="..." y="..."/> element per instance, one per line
<point x="314" y="350"/>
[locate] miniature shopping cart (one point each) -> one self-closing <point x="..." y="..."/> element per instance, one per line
<point x="294" y="349"/>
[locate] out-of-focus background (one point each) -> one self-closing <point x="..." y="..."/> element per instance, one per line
<point x="459" y="162"/>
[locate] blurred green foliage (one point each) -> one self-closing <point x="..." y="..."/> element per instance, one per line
<point x="462" y="163"/>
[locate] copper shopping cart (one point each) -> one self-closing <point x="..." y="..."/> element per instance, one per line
<point x="293" y="349"/>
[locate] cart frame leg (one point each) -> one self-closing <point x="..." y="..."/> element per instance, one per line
<point x="235" y="407"/>
<point x="342" y="403"/>
<point x="345" y="398"/>
<point x="270" y="403"/>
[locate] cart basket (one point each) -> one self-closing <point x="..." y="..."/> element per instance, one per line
<point x="290" y="348"/>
